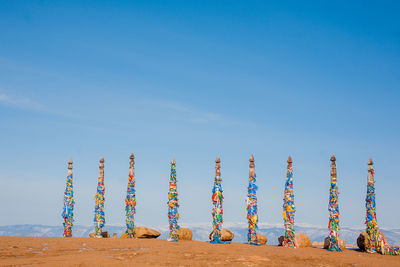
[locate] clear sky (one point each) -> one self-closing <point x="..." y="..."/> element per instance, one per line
<point x="194" y="80"/>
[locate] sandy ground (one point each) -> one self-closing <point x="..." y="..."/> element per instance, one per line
<point x="56" y="251"/>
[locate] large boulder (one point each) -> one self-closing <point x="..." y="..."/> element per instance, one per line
<point x="262" y="238"/>
<point x="327" y="243"/>
<point x="185" y="234"/>
<point x="226" y="235"/>
<point x="301" y="240"/>
<point x="145" y="232"/>
<point x="363" y="241"/>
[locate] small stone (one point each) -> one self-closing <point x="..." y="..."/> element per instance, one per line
<point x="114" y="235"/>
<point x="185" y="234"/>
<point x="262" y="238"/>
<point x="301" y="240"/>
<point x="327" y="243"/>
<point x="105" y="234"/>
<point x="226" y="235"/>
<point x="145" y="232"/>
<point x="280" y="240"/>
<point x="363" y="241"/>
<point x="318" y="244"/>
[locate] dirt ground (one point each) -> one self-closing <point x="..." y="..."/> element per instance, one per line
<point x="57" y="251"/>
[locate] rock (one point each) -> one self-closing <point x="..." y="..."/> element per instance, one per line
<point x="145" y="232"/>
<point x="185" y="234"/>
<point x="363" y="241"/>
<point x="327" y="243"/>
<point x="318" y="244"/>
<point x="301" y="240"/>
<point x="226" y="235"/>
<point x="114" y="235"/>
<point x="105" y="234"/>
<point x="280" y="240"/>
<point x="262" y="238"/>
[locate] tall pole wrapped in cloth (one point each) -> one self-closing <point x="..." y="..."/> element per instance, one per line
<point x="217" y="210"/>
<point x="333" y="209"/>
<point x="130" y="200"/>
<point x="69" y="202"/>
<point x="376" y="241"/>
<point x="173" y="214"/>
<point x="252" y="208"/>
<point x="99" y="219"/>
<point x="289" y="208"/>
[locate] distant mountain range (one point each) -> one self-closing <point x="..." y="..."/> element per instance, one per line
<point x="202" y="230"/>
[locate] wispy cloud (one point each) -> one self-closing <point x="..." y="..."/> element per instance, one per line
<point x="180" y="112"/>
<point x="12" y="65"/>
<point x="19" y="102"/>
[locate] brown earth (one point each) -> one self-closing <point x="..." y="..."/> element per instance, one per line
<point x="58" y="251"/>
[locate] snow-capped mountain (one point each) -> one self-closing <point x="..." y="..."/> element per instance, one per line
<point x="202" y="230"/>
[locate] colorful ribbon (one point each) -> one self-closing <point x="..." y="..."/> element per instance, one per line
<point x="173" y="214"/>
<point x="376" y="241"/>
<point x="217" y="200"/>
<point x="333" y="210"/>
<point x="130" y="200"/>
<point x="289" y="208"/>
<point x="252" y="207"/>
<point x="69" y="202"/>
<point x="99" y="219"/>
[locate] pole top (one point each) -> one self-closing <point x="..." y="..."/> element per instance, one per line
<point x="217" y="167"/>
<point x="173" y="162"/>
<point x="370" y="162"/>
<point x="252" y="165"/>
<point x="132" y="161"/>
<point x="252" y="172"/>
<point x="290" y="160"/>
<point x="333" y="159"/>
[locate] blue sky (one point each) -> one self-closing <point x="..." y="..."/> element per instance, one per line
<point x="193" y="80"/>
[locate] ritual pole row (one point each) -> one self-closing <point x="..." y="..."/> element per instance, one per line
<point x="377" y="242"/>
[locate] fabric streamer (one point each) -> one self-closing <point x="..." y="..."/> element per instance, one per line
<point x="289" y="208"/>
<point x="173" y="214"/>
<point x="99" y="219"/>
<point x="252" y="208"/>
<point x="376" y="240"/>
<point x="130" y="200"/>
<point x="69" y="203"/>
<point x="217" y="211"/>
<point x="333" y="209"/>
